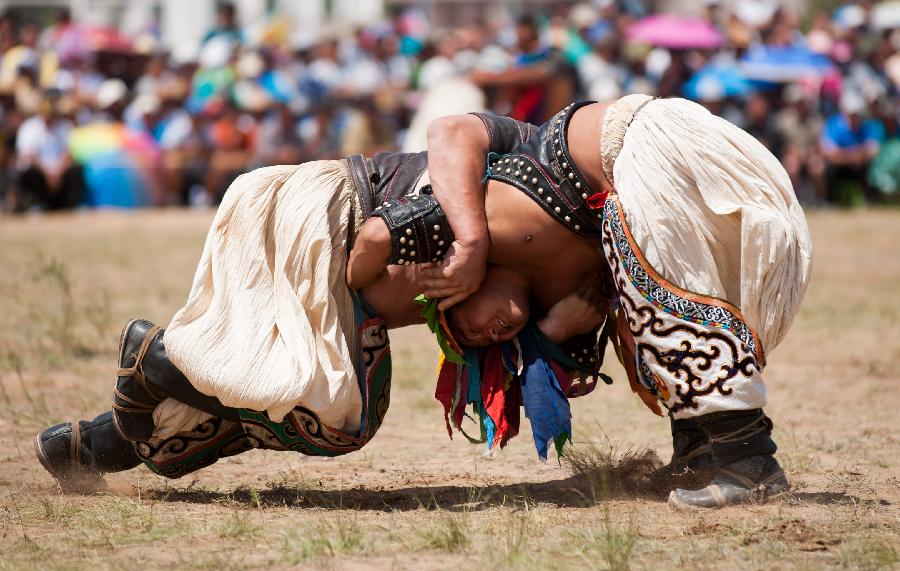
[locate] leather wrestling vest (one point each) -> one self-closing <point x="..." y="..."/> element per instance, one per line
<point x="536" y="160"/>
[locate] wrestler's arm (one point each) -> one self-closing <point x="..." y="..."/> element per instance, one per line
<point x="458" y="147"/>
<point x="370" y="254"/>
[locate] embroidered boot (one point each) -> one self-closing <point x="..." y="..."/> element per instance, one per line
<point x="146" y="376"/>
<point x="78" y="453"/>
<point x="692" y="462"/>
<point x="744" y="453"/>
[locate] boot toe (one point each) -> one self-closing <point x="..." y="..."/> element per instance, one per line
<point x="715" y="495"/>
<point x="732" y="487"/>
<point x="52" y="448"/>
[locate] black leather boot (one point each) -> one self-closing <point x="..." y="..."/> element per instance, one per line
<point x="692" y="462"/>
<point x="744" y="452"/>
<point x="78" y="453"/>
<point x="146" y="377"/>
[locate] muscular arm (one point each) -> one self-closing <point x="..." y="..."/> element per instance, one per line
<point x="370" y="254"/>
<point x="457" y="149"/>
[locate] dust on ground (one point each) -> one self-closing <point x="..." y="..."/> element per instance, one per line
<point x="413" y="498"/>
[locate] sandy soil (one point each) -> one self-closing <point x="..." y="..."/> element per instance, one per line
<point x="413" y="498"/>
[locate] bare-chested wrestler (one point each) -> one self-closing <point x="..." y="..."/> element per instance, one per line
<point x="700" y="227"/>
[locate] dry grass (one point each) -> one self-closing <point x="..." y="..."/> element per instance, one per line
<point x="412" y="498"/>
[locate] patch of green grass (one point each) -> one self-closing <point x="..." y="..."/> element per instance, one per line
<point x="867" y="554"/>
<point x="342" y="536"/>
<point x="56" y="511"/>
<point x="254" y="498"/>
<point x="350" y="535"/>
<point x="299" y="546"/>
<point x="609" y="546"/>
<point x="115" y="513"/>
<point x="518" y="529"/>
<point x="238" y="525"/>
<point x="23" y="553"/>
<point x="450" y="533"/>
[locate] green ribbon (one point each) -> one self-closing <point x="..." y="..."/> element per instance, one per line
<point x="432" y="319"/>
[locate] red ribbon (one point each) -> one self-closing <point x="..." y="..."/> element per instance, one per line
<point x="597" y="201"/>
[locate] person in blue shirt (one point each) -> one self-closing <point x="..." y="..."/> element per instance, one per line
<point x="849" y="141"/>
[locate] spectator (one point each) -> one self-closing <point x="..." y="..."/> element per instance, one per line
<point x="438" y="65"/>
<point x="849" y="141"/>
<point x="22" y="56"/>
<point x="884" y="172"/>
<point x="221" y="107"/>
<point x="523" y="86"/>
<point x="279" y="141"/>
<point x="48" y="178"/>
<point x="231" y="136"/>
<point x="760" y="122"/>
<point x="226" y="25"/>
<point x="799" y="127"/>
<point x="154" y="77"/>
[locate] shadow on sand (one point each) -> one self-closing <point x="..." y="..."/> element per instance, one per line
<point x="592" y="483"/>
<point x="584" y="489"/>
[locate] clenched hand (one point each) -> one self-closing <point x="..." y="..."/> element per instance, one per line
<point x="458" y="276"/>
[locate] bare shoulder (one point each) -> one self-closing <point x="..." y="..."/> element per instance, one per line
<point x="588" y="120"/>
<point x="584" y="134"/>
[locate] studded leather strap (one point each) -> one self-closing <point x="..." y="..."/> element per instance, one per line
<point x="419" y="230"/>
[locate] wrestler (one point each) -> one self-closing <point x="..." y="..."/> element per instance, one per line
<point x="274" y="350"/>
<point x="702" y="232"/>
<point x="160" y="419"/>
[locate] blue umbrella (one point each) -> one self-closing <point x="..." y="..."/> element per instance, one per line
<point x="782" y="64"/>
<point x="114" y="180"/>
<point x="715" y="82"/>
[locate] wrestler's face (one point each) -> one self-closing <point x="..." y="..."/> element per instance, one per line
<point x="494" y="313"/>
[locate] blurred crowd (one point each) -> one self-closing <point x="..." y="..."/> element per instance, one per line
<point x="93" y="118"/>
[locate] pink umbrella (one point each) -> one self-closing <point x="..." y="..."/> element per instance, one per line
<point x="674" y="32"/>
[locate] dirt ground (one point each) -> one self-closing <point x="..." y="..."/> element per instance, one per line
<point x="413" y="499"/>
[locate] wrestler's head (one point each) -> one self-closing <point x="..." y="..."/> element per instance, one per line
<point x="494" y="313"/>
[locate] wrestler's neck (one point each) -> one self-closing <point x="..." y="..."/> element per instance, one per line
<point x="583" y="136"/>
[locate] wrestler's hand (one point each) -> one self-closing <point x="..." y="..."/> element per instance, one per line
<point x="569" y="317"/>
<point x="458" y="275"/>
